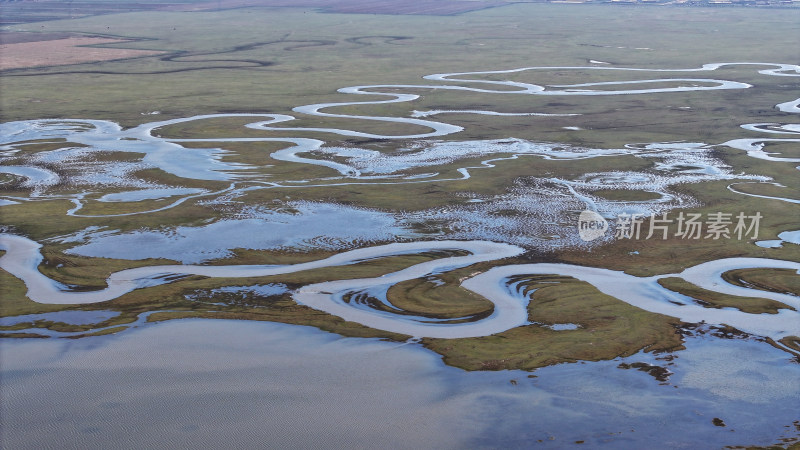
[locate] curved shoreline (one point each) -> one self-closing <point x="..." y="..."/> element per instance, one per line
<point x="22" y="258"/>
<point x="647" y="294"/>
<point x="781" y="199"/>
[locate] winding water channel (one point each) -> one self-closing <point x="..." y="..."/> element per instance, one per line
<point x="22" y="258"/>
<point x="366" y="166"/>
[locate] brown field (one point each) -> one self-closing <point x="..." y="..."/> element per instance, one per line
<point x="58" y="52"/>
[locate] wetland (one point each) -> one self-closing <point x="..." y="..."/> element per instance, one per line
<point x="405" y="230"/>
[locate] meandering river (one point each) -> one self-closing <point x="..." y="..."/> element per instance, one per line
<point x="22" y="259"/>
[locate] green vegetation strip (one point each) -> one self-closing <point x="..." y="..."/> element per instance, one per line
<point x="784" y="281"/>
<point x="711" y="299"/>
<point x="793" y="342"/>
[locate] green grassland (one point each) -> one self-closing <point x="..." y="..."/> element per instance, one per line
<point x="430" y="298"/>
<point x="608" y="328"/>
<point x="261" y="60"/>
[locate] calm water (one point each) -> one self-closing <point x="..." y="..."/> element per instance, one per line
<point x="226" y="384"/>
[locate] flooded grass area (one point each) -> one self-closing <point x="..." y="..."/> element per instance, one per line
<point x="301" y="171"/>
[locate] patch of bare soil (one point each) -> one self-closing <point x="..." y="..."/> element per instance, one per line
<point x="58" y="52"/>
